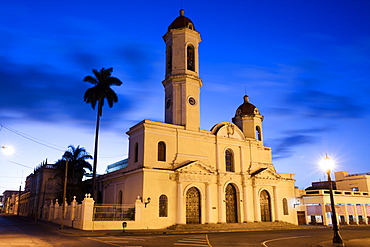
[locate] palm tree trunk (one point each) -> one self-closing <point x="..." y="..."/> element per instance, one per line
<point x="94" y="192"/>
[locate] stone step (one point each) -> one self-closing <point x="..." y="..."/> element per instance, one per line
<point x="231" y="225"/>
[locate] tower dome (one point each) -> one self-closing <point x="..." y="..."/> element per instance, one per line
<point x="246" y="108"/>
<point x="181" y="22"/>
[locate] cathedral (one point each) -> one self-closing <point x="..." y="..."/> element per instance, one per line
<point x="186" y="175"/>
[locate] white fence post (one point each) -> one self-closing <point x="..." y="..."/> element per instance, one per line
<point x="87" y="212"/>
<point x="138" y="209"/>
<point x="73" y="208"/>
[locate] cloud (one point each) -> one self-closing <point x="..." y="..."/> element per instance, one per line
<point x="285" y="147"/>
<point x="137" y="61"/>
<point x="40" y="93"/>
<point x="318" y="104"/>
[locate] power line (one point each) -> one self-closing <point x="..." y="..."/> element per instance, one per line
<point x="33" y="139"/>
<point x="19" y="164"/>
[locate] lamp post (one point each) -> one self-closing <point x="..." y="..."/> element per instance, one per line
<point x="328" y="165"/>
<point x="64" y="194"/>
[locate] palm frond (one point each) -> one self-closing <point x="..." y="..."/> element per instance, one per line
<point x="114" y="81"/>
<point x="90" y="79"/>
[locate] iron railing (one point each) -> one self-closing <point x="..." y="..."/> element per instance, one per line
<point x="114" y="212"/>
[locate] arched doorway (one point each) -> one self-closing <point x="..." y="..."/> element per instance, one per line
<point x="193" y="206"/>
<point x="265" y="202"/>
<point x="231" y="205"/>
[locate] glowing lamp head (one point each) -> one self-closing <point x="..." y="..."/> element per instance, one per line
<point x="327" y="164"/>
<point x="7" y="150"/>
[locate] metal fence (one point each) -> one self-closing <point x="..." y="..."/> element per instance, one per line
<point x="114" y="212"/>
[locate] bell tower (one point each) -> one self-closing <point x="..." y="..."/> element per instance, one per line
<point x="182" y="83"/>
<point x="249" y="120"/>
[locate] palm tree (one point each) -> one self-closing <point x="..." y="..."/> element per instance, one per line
<point x="73" y="162"/>
<point x="102" y="81"/>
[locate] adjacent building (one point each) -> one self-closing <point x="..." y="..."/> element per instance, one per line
<point x="351" y="199"/>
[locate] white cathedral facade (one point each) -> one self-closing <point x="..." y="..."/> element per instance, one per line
<point x="187" y="175"/>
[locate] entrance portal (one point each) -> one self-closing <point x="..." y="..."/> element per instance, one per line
<point x="231" y="205"/>
<point x="265" y="202"/>
<point x="193" y="206"/>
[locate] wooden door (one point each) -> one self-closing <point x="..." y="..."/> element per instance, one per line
<point x="193" y="206"/>
<point x="231" y="204"/>
<point x="265" y="203"/>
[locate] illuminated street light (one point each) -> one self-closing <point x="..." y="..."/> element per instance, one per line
<point x="7" y="150"/>
<point x="327" y="164"/>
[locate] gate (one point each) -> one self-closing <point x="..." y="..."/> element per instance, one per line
<point x="231" y="206"/>
<point x="265" y="206"/>
<point x="193" y="206"/>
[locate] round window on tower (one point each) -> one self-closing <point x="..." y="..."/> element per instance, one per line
<point x="168" y="103"/>
<point x="192" y="101"/>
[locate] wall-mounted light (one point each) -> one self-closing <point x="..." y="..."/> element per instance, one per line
<point x="147" y="201"/>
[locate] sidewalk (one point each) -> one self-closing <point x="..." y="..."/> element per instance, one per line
<point x="68" y="230"/>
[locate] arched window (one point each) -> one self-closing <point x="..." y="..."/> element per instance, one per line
<point x="169" y="59"/>
<point x="285" y="206"/>
<point x="258" y="133"/>
<point x="190" y="58"/>
<point x="229" y="160"/>
<point x="119" y="197"/>
<point x="163" y="206"/>
<point x="161" y="151"/>
<point x="136" y="154"/>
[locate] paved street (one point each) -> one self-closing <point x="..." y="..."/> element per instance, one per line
<point x="15" y="232"/>
<point x="22" y="232"/>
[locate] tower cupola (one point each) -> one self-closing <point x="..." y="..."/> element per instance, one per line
<point x="249" y="120"/>
<point x="181" y="22"/>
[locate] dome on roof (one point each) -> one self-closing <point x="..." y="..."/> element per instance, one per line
<point x="246" y="108"/>
<point x="181" y="22"/>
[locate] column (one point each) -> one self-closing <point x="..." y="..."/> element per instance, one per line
<point x="242" y="168"/>
<point x="324" y="214"/>
<point x="257" y="208"/>
<point x="180" y="205"/>
<point x="355" y="214"/>
<point x="208" y="203"/>
<point x="245" y="204"/>
<point x="364" y="215"/>
<point x="221" y="204"/>
<point x="346" y="214"/>
<point x="277" y="205"/>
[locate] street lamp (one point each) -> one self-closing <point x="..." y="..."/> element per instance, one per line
<point x="327" y="165"/>
<point x="7" y="150"/>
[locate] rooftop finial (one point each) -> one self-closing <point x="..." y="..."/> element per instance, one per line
<point x="182" y="12"/>
<point x="246" y="99"/>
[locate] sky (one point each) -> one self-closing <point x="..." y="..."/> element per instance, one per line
<point x="305" y="65"/>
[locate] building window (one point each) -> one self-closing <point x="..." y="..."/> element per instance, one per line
<point x="285" y="206"/>
<point x="136" y="154"/>
<point x="169" y="59"/>
<point x="161" y="151"/>
<point x="50" y="183"/>
<point x="119" y="197"/>
<point x="229" y="159"/>
<point x="190" y="58"/>
<point x="163" y="206"/>
<point x="258" y="133"/>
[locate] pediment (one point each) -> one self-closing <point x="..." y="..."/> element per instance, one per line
<point x="195" y="167"/>
<point x="265" y="173"/>
<point x="228" y="130"/>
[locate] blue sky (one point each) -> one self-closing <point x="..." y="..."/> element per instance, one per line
<point x="304" y="64"/>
